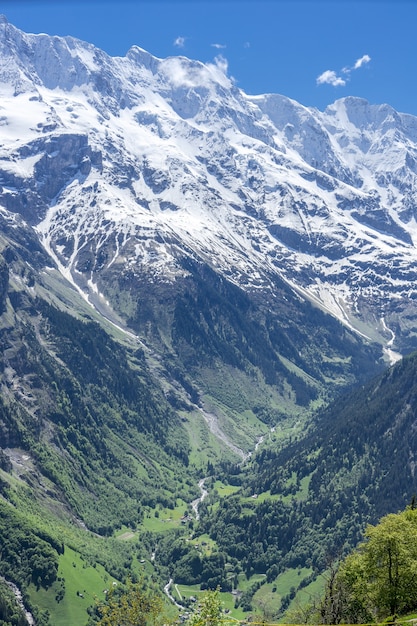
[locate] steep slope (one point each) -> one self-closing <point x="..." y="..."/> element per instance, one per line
<point x="363" y="444"/>
<point x="81" y="415"/>
<point x="88" y="440"/>
<point x="314" y="497"/>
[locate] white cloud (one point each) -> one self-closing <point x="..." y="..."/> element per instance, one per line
<point x="219" y="69"/>
<point x="246" y="44"/>
<point x="182" y="73"/>
<point x="221" y="63"/>
<point x="219" y="46"/>
<point x="329" y="77"/>
<point x="362" y="61"/>
<point x="179" y="42"/>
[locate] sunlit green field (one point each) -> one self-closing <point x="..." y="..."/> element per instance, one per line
<point x="84" y="586"/>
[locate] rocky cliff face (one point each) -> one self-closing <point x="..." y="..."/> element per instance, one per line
<point x="57" y="161"/>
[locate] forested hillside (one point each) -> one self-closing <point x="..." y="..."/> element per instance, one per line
<point x="307" y="504"/>
<point x="363" y="444"/>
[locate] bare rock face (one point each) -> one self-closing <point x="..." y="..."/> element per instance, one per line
<point x="64" y="158"/>
<point x="59" y="159"/>
<point x="4" y="283"/>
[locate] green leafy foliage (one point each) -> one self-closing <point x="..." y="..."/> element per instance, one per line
<point x="378" y="579"/>
<point x="103" y="434"/>
<point x="354" y="464"/>
<point x="209" y="611"/>
<point x="131" y="606"/>
<point x="27" y="554"/>
<point x="183" y="562"/>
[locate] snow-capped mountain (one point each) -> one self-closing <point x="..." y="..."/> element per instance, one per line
<point x="127" y="166"/>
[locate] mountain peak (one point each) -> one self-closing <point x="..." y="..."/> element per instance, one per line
<point x="362" y="114"/>
<point x="143" y="58"/>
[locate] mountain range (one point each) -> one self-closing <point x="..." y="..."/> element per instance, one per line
<point x="184" y="267"/>
<point x="127" y="166"/>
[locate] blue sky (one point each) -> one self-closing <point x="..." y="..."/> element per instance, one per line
<point x="312" y="51"/>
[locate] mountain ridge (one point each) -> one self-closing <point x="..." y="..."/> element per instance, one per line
<point x="315" y="197"/>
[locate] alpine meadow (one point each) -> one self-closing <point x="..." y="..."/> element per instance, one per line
<point x="208" y="318"/>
